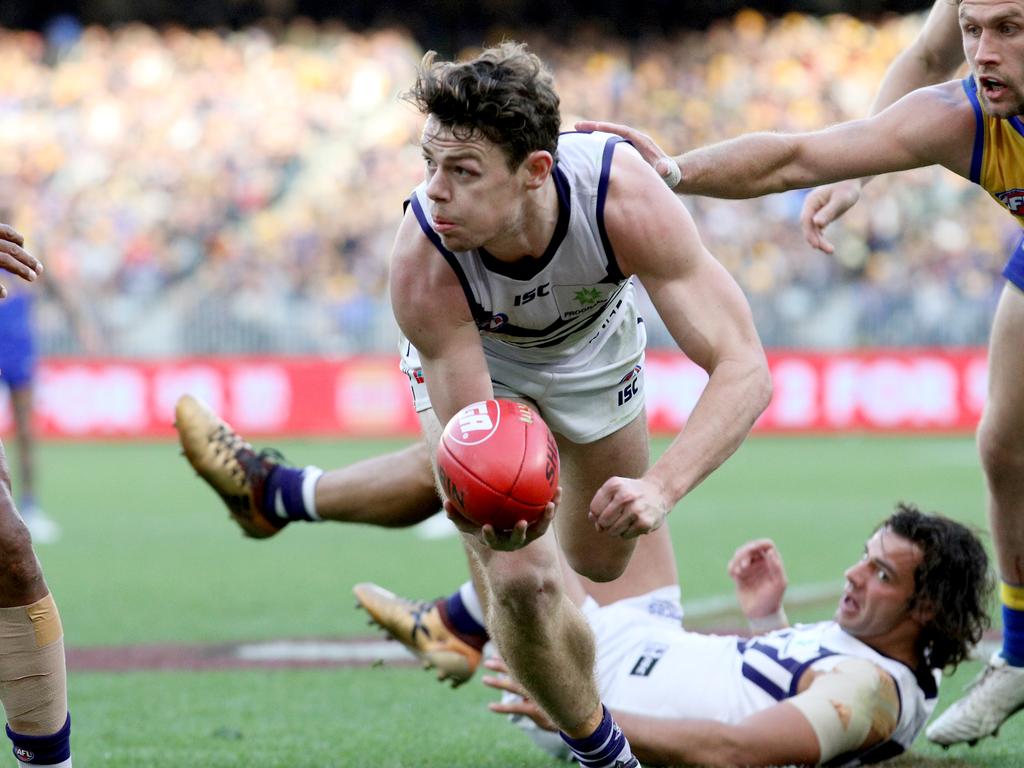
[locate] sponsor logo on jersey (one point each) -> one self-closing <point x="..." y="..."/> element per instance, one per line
<point x="1013" y="199"/>
<point x="587" y="296"/>
<point x="493" y="323"/>
<point x="577" y="300"/>
<point x="417" y="374"/>
<point x="534" y="293"/>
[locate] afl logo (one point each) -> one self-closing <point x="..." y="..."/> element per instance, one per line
<point x="1013" y="199"/>
<point x="475" y="423"/>
<point x="493" y="323"/>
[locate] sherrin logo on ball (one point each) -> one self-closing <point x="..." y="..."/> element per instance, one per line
<point x="498" y="463"/>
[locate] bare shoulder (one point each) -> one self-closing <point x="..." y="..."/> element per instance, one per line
<point x="421" y="281"/>
<point x="643" y="216"/>
<point x="937" y="124"/>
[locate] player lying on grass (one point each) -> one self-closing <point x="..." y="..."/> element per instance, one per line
<point x="856" y="689"/>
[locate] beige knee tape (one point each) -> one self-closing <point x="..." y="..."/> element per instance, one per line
<point x="856" y="699"/>
<point x="33" y="681"/>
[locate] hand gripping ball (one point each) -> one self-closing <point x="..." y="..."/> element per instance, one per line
<point x="498" y="463"/>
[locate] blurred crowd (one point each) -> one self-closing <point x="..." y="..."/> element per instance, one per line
<point x="212" y="191"/>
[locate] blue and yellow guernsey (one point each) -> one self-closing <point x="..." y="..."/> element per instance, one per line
<point x="997" y="165"/>
<point x="555" y="306"/>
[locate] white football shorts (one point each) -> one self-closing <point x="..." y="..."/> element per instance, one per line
<point x="587" y="397"/>
<point x="648" y="664"/>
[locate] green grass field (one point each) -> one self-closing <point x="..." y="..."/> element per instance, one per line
<point x="148" y="556"/>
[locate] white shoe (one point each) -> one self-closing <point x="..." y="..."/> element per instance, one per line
<point x="994" y="695"/>
<point x="44" y="529"/>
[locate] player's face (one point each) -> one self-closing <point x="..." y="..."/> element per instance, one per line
<point x="474" y="195"/>
<point x="874" y="604"/>
<point x="993" y="34"/>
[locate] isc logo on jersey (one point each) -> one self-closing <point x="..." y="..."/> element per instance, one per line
<point x="477" y="422"/>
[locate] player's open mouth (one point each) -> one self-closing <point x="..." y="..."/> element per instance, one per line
<point x="992" y="86"/>
<point x="848" y="604"/>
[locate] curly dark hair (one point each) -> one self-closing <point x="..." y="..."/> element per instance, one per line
<point x="505" y="94"/>
<point x="953" y="581"/>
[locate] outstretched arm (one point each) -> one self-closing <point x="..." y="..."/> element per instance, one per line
<point x="930" y="126"/>
<point x="15" y="259"/>
<point x="935" y="56"/>
<point x="654" y="238"/>
<point x="850" y="708"/>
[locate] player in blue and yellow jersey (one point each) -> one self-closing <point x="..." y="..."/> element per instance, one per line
<point x="973" y="127"/>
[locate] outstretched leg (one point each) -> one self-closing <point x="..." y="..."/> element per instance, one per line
<point x="263" y="495"/>
<point x="33" y="680"/>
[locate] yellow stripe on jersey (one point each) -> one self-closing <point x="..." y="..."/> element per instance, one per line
<point x="998" y="160"/>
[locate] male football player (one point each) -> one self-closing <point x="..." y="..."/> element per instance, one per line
<point x="854" y="690"/>
<point x="33" y="681"/>
<point x="511" y="277"/>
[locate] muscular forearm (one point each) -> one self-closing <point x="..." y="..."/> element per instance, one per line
<point x="736" y="394"/>
<point x="657" y="741"/>
<point x="749" y="166"/>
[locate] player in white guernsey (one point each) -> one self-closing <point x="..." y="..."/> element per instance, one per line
<point x="510" y="277"/>
<point x="851" y="691"/>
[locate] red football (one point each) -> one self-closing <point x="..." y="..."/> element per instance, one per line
<point x="498" y="463"/>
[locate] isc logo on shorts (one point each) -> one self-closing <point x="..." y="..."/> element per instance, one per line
<point x="632" y="385"/>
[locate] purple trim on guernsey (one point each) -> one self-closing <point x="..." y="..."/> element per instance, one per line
<point x="1017" y="124"/>
<point x="971" y="89"/>
<point x="1014" y="269"/>
<point x="602" y="194"/>
<point x="433" y="237"/>
<point x="527" y="269"/>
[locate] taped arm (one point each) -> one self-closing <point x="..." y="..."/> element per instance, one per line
<point x="850" y="708"/>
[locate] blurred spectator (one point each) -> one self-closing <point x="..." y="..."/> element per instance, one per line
<point x="238" y="191"/>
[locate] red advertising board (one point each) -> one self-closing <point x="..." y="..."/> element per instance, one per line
<point x="921" y="390"/>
